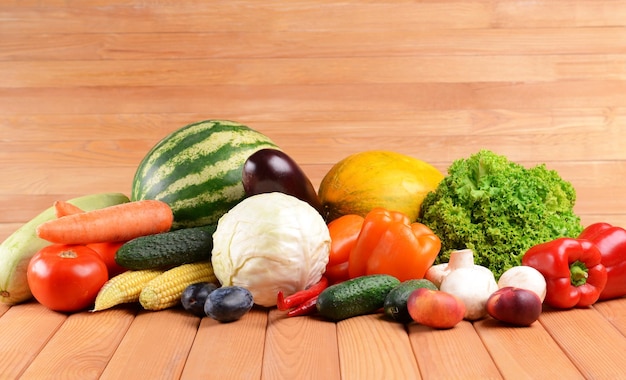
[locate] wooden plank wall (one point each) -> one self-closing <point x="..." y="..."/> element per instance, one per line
<point x="87" y="87"/>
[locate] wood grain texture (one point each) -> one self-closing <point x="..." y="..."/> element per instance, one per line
<point x="362" y="341"/>
<point x="614" y="312"/>
<point x="190" y="15"/>
<point x="88" y="87"/>
<point x="155" y="346"/>
<point x="26" y="330"/>
<point x="300" y="348"/>
<point x="82" y="346"/>
<point x="228" y="351"/>
<point x="456" y="353"/>
<point x="515" y="354"/>
<point x="574" y="329"/>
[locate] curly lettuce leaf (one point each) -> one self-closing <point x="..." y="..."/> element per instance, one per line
<point x="499" y="209"/>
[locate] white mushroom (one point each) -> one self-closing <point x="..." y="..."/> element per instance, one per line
<point x="472" y="283"/>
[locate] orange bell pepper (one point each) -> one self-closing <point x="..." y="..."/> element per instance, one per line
<point x="343" y="234"/>
<point x="389" y="243"/>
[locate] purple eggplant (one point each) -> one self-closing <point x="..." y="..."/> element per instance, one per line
<point x="271" y="170"/>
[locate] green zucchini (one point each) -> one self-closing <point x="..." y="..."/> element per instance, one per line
<point x="395" y="306"/>
<point x="168" y="249"/>
<point x="357" y="296"/>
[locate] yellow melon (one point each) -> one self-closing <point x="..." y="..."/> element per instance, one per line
<point x="377" y="178"/>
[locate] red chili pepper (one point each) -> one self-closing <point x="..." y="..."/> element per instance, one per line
<point x="285" y="303"/>
<point x="305" y="308"/>
<point x="574" y="274"/>
<point x="611" y="241"/>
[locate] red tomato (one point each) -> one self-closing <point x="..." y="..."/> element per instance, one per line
<point x="66" y="278"/>
<point x="107" y="252"/>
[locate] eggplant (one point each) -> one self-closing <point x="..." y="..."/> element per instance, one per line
<point x="271" y="170"/>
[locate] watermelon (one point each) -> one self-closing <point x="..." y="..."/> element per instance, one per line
<point x="197" y="170"/>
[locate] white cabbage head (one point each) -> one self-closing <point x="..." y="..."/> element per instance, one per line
<point x="270" y="242"/>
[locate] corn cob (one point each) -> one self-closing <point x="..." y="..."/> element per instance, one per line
<point x="165" y="290"/>
<point x="124" y="288"/>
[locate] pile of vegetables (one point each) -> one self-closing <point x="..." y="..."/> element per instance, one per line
<point x="489" y="239"/>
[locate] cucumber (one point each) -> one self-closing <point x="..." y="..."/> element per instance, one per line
<point x="167" y="249"/>
<point x="17" y="250"/>
<point x="357" y="296"/>
<point x="395" y="306"/>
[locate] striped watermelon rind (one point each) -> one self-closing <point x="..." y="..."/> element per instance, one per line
<point x="197" y="170"/>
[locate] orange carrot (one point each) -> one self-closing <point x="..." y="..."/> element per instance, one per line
<point x="63" y="208"/>
<point x="114" y="223"/>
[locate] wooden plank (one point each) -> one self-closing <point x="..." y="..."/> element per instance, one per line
<point x="292" y="348"/>
<point x="418" y="123"/>
<point x="92" y="153"/>
<point x="343" y="97"/>
<point x="318" y="148"/>
<point x="614" y="311"/>
<point x="228" y="350"/>
<point x="25" y="331"/>
<point x="372" y="348"/>
<point x="37" y="182"/>
<point x="455" y="132"/>
<point x="314" y="43"/>
<point x="414" y="69"/>
<point x="525" y="352"/>
<point x="593" y="344"/>
<point x="155" y="346"/>
<point x="134" y="16"/>
<point x="82" y="347"/>
<point x="532" y="14"/>
<point x="130" y="16"/>
<point x="455" y="353"/>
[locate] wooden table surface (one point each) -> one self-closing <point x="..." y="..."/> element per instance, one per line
<point x="87" y="87"/>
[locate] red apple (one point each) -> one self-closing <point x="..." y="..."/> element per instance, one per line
<point x="515" y="306"/>
<point x="436" y="309"/>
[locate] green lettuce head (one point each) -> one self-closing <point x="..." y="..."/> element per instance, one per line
<point x="499" y="209"/>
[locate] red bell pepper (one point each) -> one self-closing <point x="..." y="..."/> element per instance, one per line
<point x="611" y="241"/>
<point x="389" y="243"/>
<point x="574" y="274"/>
